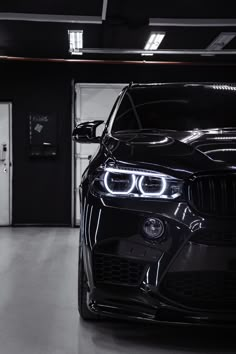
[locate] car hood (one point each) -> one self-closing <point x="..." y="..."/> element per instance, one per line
<point x="179" y="153"/>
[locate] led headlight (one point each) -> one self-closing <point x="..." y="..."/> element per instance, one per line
<point x="137" y="183"/>
<point x="118" y="183"/>
<point x="153" y="186"/>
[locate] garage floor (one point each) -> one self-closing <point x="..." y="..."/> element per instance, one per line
<point x="38" y="306"/>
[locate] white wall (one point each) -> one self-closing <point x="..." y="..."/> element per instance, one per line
<point x="93" y="102"/>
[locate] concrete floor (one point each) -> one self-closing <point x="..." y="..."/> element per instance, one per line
<point x="38" y="306"/>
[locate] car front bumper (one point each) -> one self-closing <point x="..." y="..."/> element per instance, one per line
<point x="136" y="306"/>
<point x="180" y="278"/>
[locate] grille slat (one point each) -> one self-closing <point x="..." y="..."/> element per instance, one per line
<point x="234" y="193"/>
<point x="118" y="271"/>
<point x="214" y="195"/>
<point x="201" y="194"/>
<point x="224" y="194"/>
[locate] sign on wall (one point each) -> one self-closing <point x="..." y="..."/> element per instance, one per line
<point x="42" y="135"/>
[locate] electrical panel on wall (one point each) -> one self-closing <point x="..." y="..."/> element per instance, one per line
<point x="42" y="135"/>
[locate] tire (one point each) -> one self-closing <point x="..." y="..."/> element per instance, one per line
<point x="84" y="312"/>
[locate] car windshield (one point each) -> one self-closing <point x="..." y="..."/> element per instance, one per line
<point x="177" y="108"/>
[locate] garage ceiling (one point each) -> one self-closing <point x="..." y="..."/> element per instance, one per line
<point x="117" y="29"/>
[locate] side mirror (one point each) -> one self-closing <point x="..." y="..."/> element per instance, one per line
<point x="86" y="132"/>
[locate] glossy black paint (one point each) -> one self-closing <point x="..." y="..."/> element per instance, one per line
<point x="112" y="226"/>
<point x="86" y="132"/>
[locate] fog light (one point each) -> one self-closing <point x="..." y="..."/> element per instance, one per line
<point x="153" y="228"/>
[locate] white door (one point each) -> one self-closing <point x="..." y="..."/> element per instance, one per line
<point x="5" y="153"/>
<point x="93" y="102"/>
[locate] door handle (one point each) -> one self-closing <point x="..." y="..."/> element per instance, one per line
<point x="4" y="152"/>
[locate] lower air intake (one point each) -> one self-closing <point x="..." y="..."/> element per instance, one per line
<point x="117" y="271"/>
<point x="205" y="290"/>
<point x="214" y="238"/>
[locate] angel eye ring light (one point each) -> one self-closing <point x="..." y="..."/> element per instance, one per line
<point x="119" y="192"/>
<point x="163" y="188"/>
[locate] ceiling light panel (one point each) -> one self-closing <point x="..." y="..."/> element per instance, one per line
<point x="221" y="41"/>
<point x="147" y="54"/>
<point x="76" y="42"/>
<point x="154" y="40"/>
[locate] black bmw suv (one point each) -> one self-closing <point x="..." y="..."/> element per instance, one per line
<point x="158" y="207"/>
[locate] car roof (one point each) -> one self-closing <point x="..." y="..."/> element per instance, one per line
<point x="214" y="87"/>
<point x="224" y="86"/>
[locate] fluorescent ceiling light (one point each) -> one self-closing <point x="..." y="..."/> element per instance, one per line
<point x="221" y="41"/>
<point x="193" y="22"/>
<point x="154" y="40"/>
<point x="147" y="54"/>
<point x="76" y="42"/>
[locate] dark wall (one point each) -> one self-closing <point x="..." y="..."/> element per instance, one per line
<point x="153" y="73"/>
<point x="42" y="187"/>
